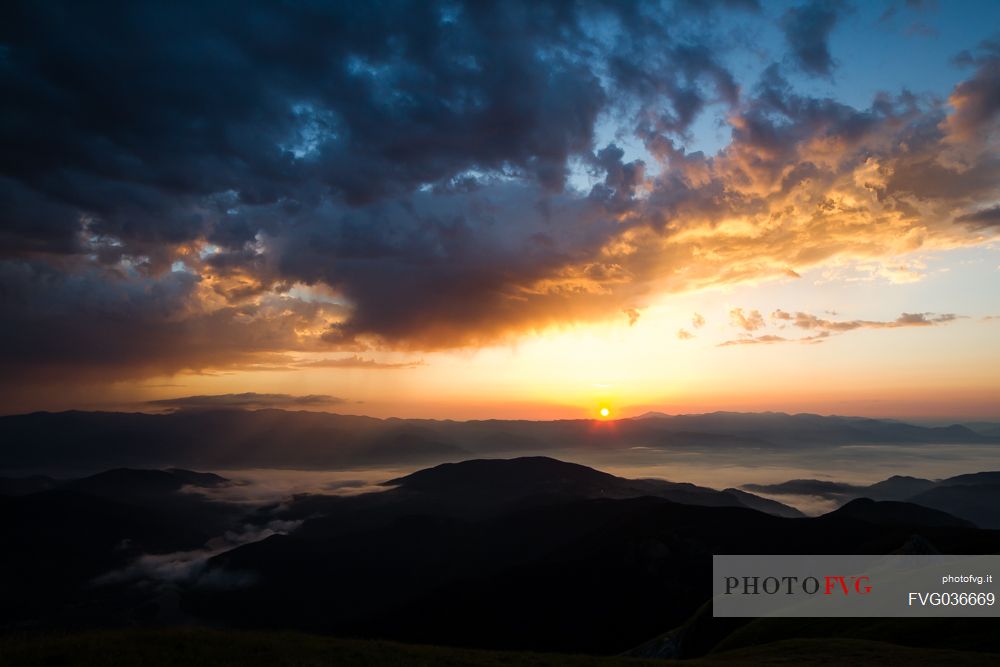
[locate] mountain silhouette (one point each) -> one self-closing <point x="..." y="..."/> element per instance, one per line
<point x="972" y="497"/>
<point x="528" y="553"/>
<point x="486" y="483"/>
<point x="972" y="479"/>
<point x="132" y="484"/>
<point x="898" y="487"/>
<point x="566" y="559"/>
<point x="228" y="439"/>
<point x="20" y="486"/>
<point x="60" y="540"/>
<point x="765" y="505"/>
<point x="897" y="513"/>
<point x="978" y="503"/>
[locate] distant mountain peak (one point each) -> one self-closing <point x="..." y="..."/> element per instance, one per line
<point x="653" y="414"/>
<point x="498" y="482"/>
<point x="522" y="470"/>
<point x="144" y="481"/>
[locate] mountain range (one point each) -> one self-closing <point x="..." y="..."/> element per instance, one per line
<point x="529" y="553"/>
<point x="230" y="439"/>
<point x="974" y="497"/>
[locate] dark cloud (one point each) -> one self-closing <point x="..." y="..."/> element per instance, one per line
<point x="976" y="101"/>
<point x="247" y="400"/>
<point x="778" y="122"/>
<point x="807" y="29"/>
<point x="987" y="217"/>
<point x="109" y="324"/>
<point x="173" y="172"/>
<point x="928" y="179"/>
<point x="702" y="6"/>
<point x="896" y="6"/>
<point x="163" y="122"/>
<point x="434" y="272"/>
<point x="339" y="144"/>
<point x="620" y="180"/>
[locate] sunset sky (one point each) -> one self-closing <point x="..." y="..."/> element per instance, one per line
<point x="520" y="209"/>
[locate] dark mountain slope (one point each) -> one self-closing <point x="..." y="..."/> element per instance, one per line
<point x="897" y="513"/>
<point x="979" y="503"/>
<point x="487" y="486"/>
<point x="486" y="483"/>
<point x="972" y="479"/>
<point x="596" y="575"/>
<point x="193" y="647"/>
<point x="973" y="497"/>
<point x="58" y="541"/>
<point x="132" y="484"/>
<point x="21" y="486"/>
<point x="898" y="487"/>
<point x="765" y="505"/>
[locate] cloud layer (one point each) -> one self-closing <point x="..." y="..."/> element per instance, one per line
<point x="819" y="328"/>
<point x="247" y="400"/>
<point x="175" y="174"/>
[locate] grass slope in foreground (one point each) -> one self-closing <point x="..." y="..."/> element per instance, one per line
<point x="197" y="647"/>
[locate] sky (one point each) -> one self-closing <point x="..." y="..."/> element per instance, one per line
<point x="501" y="210"/>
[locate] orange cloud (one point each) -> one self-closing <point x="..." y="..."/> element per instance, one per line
<point x="807" y="321"/>
<point x="750" y="321"/>
<point x="824" y="328"/>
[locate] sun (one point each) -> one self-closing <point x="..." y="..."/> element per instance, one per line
<point x="605" y="412"/>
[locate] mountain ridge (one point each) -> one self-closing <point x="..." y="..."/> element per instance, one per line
<point x="272" y="438"/>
